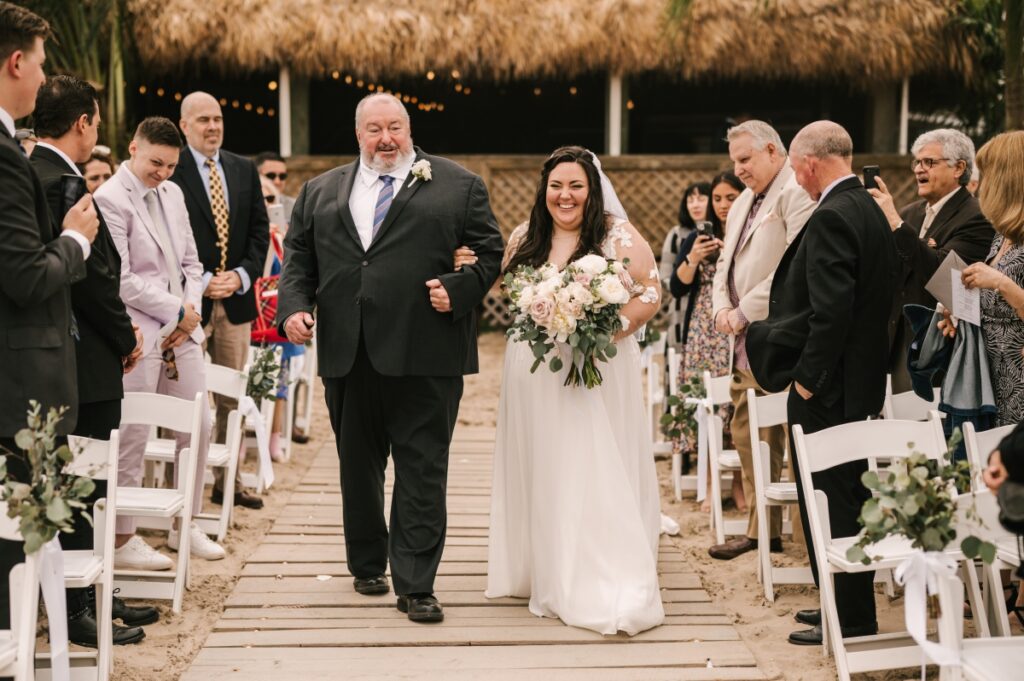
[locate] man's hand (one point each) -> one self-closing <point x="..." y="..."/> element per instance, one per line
<point x="299" y="327"/>
<point x="223" y="285"/>
<point x="82" y="218"/>
<point x="722" y="323"/>
<point x="191" y="319"/>
<point x="802" y="391"/>
<point x="438" y="296"/>
<point x="132" y="360"/>
<point x="176" y="338"/>
<point x="464" y="255"/>
<point x="884" y="200"/>
<point x="736" y="321"/>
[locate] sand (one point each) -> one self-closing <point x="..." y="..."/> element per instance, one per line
<point x="172" y="643"/>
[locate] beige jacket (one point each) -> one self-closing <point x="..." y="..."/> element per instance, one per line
<point x="781" y="217"/>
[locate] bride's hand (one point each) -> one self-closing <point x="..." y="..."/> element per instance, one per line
<point x="464" y="255"/>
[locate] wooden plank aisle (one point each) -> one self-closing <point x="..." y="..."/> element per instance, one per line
<point x="294" y="613"/>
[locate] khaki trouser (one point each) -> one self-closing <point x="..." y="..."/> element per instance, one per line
<point x="775" y="436"/>
<point x="228" y="345"/>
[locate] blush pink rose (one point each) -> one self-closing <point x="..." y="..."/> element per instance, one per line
<point x="541" y="310"/>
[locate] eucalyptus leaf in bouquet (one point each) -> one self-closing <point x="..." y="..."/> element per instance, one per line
<point x="46" y="503"/>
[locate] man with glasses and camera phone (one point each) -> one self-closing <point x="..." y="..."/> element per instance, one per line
<point x="946" y="218"/>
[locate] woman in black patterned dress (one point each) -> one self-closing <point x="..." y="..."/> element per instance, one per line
<point x="1001" y="276"/>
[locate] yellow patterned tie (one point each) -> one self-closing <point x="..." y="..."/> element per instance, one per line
<point x="220" y="213"/>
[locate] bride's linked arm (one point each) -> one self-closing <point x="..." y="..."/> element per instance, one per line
<point x="629" y="244"/>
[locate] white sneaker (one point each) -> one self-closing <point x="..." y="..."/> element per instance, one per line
<point x="200" y="545"/>
<point x="138" y="555"/>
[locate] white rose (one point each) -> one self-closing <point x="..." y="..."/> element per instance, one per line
<point x="526" y="297"/>
<point x="618" y="267"/>
<point x="591" y="264"/>
<point x="611" y="291"/>
<point x="548" y="271"/>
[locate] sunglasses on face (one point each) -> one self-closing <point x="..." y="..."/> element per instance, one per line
<point x="274" y="176"/>
<point x="270" y="198"/>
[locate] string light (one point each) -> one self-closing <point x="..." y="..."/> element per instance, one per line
<point x="223" y="102"/>
<point x="536" y="91"/>
<point x="160" y="92"/>
<point x="272" y="85"/>
<point x="466" y="90"/>
<point x="142" y="89"/>
<point x="573" y="90"/>
<point x="458" y="87"/>
<point x="455" y="74"/>
<point x="630" y="105"/>
<point x="235" y="104"/>
<point x="335" y="75"/>
<point x="177" y="96"/>
<point x="405" y="98"/>
<point x="348" y="80"/>
<point x="359" y="83"/>
<point x="248" y="106"/>
<point x="430" y="75"/>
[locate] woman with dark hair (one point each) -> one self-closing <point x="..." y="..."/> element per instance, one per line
<point x="98" y="169"/>
<point x="574" y="512"/>
<point x="693" y="208"/>
<point x="693" y="273"/>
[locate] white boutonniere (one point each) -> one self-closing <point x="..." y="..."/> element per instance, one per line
<point x="420" y="171"/>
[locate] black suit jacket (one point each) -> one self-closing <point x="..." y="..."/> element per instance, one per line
<point x="37" y="354"/>
<point x="960" y="226"/>
<point x="381" y="293"/>
<point x="104" y="327"/>
<point x="829" y="304"/>
<point x="248" y="226"/>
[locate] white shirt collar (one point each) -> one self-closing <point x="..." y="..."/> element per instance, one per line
<point x="937" y="206"/>
<point x="60" y="153"/>
<point x="832" y="186"/>
<point x="201" y="158"/>
<point x="8" y="121"/>
<point x="368" y="176"/>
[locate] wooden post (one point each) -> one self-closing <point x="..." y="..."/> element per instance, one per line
<point x="284" y="112"/>
<point x="884" y="122"/>
<point x="904" y="116"/>
<point x="613" y="130"/>
<point x="299" y="115"/>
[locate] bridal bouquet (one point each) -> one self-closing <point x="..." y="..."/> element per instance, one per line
<point x="578" y="306"/>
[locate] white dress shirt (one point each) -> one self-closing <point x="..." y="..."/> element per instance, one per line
<point x="8" y="121"/>
<point x="832" y="186"/>
<point x="70" y="233"/>
<point x="362" y="202"/>
<point x="930" y="211"/>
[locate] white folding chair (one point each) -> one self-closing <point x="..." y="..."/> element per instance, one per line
<point x="161" y="507"/>
<point x="907" y="406"/>
<point x="255" y="480"/>
<point x="307" y="382"/>
<point x="226" y="382"/>
<point x="854" y="442"/>
<point x="18" y="644"/>
<point x="96" y="459"/>
<point x="720" y="461"/>
<point x="764" y="412"/>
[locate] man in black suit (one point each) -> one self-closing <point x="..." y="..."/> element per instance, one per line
<point x="39" y="263"/>
<point x="67" y="120"/>
<point x="946" y="218"/>
<point x="826" y="334"/>
<point x="370" y="246"/>
<point x="229" y="221"/>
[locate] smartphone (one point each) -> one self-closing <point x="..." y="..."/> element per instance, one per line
<point x="705" y="228"/>
<point x="72" y="189"/>
<point x="870" y="173"/>
<point x="275" y="212"/>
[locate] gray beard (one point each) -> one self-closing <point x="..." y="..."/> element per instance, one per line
<point x="382" y="167"/>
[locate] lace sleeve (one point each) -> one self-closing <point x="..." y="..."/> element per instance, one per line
<point x="627" y="244"/>
<point x="513" y="244"/>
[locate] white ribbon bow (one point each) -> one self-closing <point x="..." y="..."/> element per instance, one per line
<point x="51" y="581"/>
<point x="918" y="575"/>
<point x="247" y="407"/>
<point x="701" y="416"/>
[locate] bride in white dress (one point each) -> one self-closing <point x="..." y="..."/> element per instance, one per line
<point x="575" y="513"/>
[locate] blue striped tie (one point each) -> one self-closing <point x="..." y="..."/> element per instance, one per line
<point x="387" y="192"/>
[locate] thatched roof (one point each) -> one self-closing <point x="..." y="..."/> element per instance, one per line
<point x="858" y="40"/>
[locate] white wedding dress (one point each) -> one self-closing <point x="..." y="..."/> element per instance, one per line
<point x="575" y="511"/>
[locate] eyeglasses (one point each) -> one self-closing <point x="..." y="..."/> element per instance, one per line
<point x="926" y="163"/>
<point x="270" y="198"/>
<point x="274" y="176"/>
<point x="170" y="366"/>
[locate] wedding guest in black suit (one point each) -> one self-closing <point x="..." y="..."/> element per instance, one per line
<point x="229" y="221"/>
<point x="826" y="334"/>
<point x="67" y="120"/>
<point x="40" y="262"/>
<point x="370" y="247"/>
<point x="946" y="218"/>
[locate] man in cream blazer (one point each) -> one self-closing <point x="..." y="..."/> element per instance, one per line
<point x="762" y="222"/>
<point x="161" y="285"/>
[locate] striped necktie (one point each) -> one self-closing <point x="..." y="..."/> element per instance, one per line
<point x="220" y="213"/>
<point x="387" y="193"/>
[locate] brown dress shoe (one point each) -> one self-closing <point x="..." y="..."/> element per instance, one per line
<point x="242" y="498"/>
<point x="732" y="548"/>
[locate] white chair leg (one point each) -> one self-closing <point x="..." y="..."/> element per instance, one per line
<point x="677" y="475"/>
<point x="969" y="575"/>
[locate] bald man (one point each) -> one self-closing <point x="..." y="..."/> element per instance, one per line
<point x="229" y="220"/>
<point x="827" y="336"/>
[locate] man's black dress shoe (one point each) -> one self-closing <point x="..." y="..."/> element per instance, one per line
<point x="812" y="636"/>
<point x="811" y="618"/>
<point x="82" y="631"/>
<point x="739" y="546"/>
<point x="421" y="607"/>
<point x="371" y="586"/>
<point x="242" y="498"/>
<point x="133" y="616"/>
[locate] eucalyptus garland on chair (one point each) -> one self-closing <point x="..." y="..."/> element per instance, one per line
<point x="264" y="374"/>
<point x="44" y="505"/>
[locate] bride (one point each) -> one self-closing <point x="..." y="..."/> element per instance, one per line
<point x="575" y="513"/>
